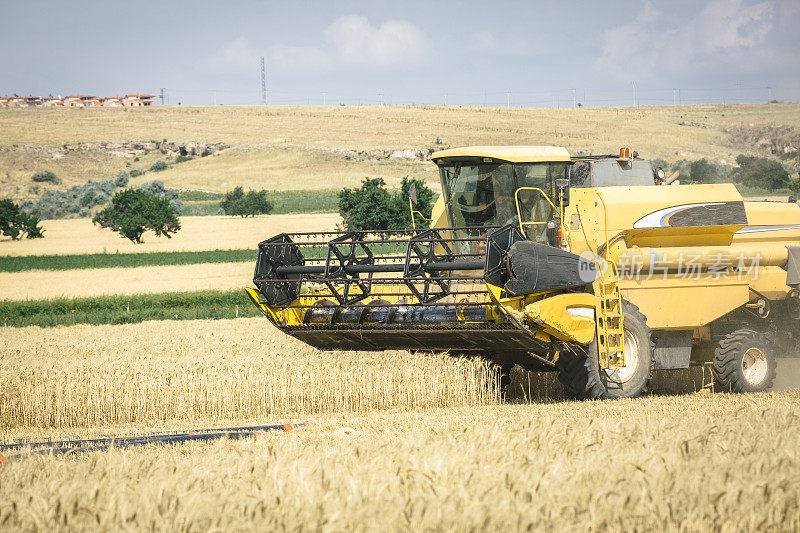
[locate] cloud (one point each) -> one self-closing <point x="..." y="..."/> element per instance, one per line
<point x="351" y="42"/>
<point x="356" y="42"/>
<point x="725" y="34"/>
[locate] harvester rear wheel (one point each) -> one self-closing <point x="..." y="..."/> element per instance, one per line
<point x="744" y="361"/>
<point x="579" y="371"/>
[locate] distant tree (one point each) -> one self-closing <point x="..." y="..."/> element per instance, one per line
<point x="248" y="204"/>
<point x="134" y="211"/>
<point x="17" y="224"/>
<point x="373" y="207"/>
<point x="761" y="172"/>
<point x="703" y="171"/>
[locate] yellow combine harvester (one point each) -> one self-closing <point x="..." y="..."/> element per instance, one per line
<point x="580" y="265"/>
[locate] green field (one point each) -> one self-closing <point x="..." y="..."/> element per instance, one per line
<point x="117" y="260"/>
<point x="114" y="309"/>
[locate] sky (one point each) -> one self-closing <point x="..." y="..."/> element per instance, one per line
<point x="532" y="53"/>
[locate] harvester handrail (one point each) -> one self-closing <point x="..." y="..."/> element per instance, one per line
<point x="519" y="214"/>
<point x="605" y="222"/>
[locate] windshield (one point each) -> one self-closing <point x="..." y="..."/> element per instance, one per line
<point x="482" y="194"/>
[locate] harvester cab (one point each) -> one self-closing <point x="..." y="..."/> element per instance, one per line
<point x="537" y="258"/>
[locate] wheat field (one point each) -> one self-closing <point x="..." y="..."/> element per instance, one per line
<point x="94" y="375"/>
<point x="692" y="463"/>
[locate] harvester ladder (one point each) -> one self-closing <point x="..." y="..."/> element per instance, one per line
<point x="610" y="335"/>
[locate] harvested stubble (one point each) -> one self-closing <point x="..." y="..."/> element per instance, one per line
<point x="691" y="463"/>
<point x="78" y="235"/>
<point x="39" y="285"/>
<point x="85" y="375"/>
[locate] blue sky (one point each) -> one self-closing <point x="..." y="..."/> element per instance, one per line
<point x="523" y="53"/>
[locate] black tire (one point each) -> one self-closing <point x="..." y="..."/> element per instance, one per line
<point x="579" y="370"/>
<point x="744" y="361"/>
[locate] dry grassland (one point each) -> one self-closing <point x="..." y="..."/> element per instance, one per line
<point x="93" y="375"/>
<point x="696" y="463"/>
<point x="40" y="285"/>
<point x="300" y="147"/>
<point x="77" y="236"/>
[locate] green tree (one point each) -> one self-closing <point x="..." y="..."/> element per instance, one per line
<point x="703" y="171"/>
<point x="248" y="204"/>
<point x="373" y="207"/>
<point x="761" y="172"/>
<point x="17" y="224"/>
<point x="134" y="211"/>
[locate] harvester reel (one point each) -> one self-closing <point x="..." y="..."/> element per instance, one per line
<point x="269" y="258"/>
<point x="420" y="255"/>
<point x="496" y="269"/>
<point x="346" y="251"/>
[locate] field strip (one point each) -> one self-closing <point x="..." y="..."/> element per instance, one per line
<point x="37" y="285"/>
<point x="158" y="370"/>
<point x="128" y="308"/>
<point x="80" y="236"/>
<point x="689" y="464"/>
<point x="22" y="263"/>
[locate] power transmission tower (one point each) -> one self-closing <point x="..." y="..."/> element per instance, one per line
<point x="635" y="101"/>
<point x="162" y="94"/>
<point x="573" y="97"/>
<point x="263" y="82"/>
<point x="769" y="94"/>
<point x="324" y="98"/>
<point x="508" y="98"/>
<point x="674" y="96"/>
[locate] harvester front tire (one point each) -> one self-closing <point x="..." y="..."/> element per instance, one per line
<point x="744" y="361"/>
<point x="579" y="371"/>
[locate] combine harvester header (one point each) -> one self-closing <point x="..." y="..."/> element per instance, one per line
<point x="588" y="266"/>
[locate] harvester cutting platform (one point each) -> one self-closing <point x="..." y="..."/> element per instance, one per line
<point x="593" y="267"/>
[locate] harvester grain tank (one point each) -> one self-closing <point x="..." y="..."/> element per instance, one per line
<point x="578" y="265"/>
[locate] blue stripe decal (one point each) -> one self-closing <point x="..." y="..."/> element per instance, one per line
<point x="755" y="229"/>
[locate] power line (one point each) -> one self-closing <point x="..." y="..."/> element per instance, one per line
<point x="263" y="82"/>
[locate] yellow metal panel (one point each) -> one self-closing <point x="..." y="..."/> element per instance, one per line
<point x="568" y="317"/>
<point x="513" y="154"/>
<point x="684" y="303"/>
<point x="439" y="214"/>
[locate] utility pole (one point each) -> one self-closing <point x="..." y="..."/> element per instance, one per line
<point x="674" y="96"/>
<point x="324" y="95"/>
<point x="445" y="99"/>
<point x="585" y="103"/>
<point x="162" y="94"/>
<point x="263" y="82"/>
<point x="769" y="94"/>
<point x="215" y="97"/>
<point x="573" y="97"/>
<point x="508" y="98"/>
<point x="635" y="100"/>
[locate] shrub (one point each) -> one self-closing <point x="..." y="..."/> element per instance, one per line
<point x="157" y="187"/>
<point x="135" y="173"/>
<point x="761" y="172"/>
<point x="158" y="166"/>
<point x="60" y="204"/>
<point x="133" y="211"/>
<point x="16" y="223"/>
<point x="237" y="202"/>
<point x="206" y="152"/>
<point x="122" y="179"/>
<point x="373" y="207"/>
<point x="182" y="158"/>
<point x="34" y="189"/>
<point x="45" y="176"/>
